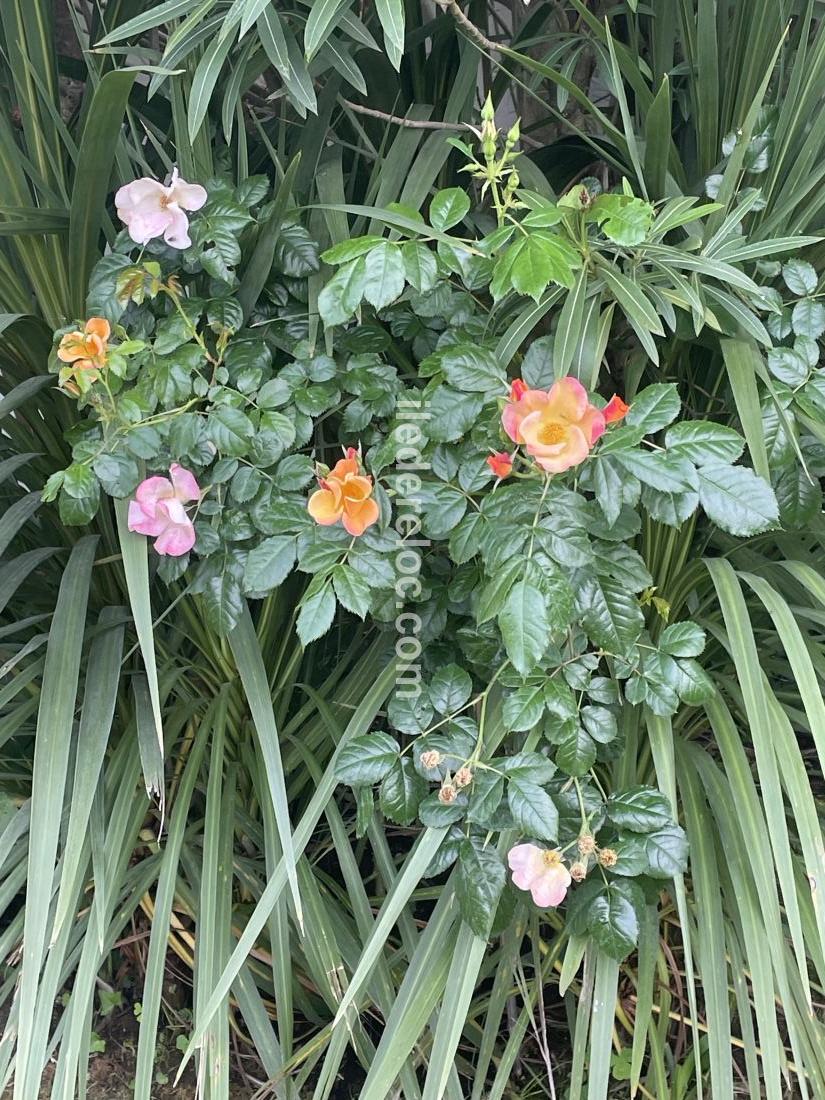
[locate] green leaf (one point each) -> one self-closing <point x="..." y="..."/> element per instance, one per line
<point x="367" y="759"/>
<point x="223" y="600"/>
<point x="661" y="470"/>
<point x="469" y="367"/>
<point x="351" y="589"/>
<point x="654" y="408"/>
<point x="799" y="277"/>
<point x="402" y="790"/>
<point x="533" y="809"/>
<point x="682" y="640"/>
<point x="448" y="208"/>
<point x="118" y="474"/>
<point x="269" y="564"/>
<point x="316" y="614"/>
<point x="230" y="430"/>
<point x="93" y="172"/>
<point x="660" y="854"/>
<point x="703" y="442"/>
<point x="343" y="293"/>
<point x="420" y="266"/>
<point x="450" y="689"/>
<point x="609" y="913"/>
<point x="383" y="274"/>
<point x="575" y="749"/>
<point x="452" y="413"/>
<point x="640" y="809"/>
<point x="523" y="708"/>
<point x="798" y="495"/>
<point x="736" y="499"/>
<point x="486" y="794"/>
<point x="808" y="318"/>
<point x="542" y="258"/>
<point x="525" y="626"/>
<point x="600" y="723"/>
<point x="610" y="615"/>
<point x="623" y="218"/>
<point x="479" y="884"/>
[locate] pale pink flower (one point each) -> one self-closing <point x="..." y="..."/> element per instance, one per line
<point x="151" y="209"/>
<point x="158" y="511"/>
<point x="540" y="871"/>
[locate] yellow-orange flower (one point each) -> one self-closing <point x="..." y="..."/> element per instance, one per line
<point x="85" y="352"/>
<point x="557" y="427"/>
<point x="345" y="496"/>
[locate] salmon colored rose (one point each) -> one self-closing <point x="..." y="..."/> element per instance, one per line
<point x="85" y="354"/>
<point x="541" y="871"/>
<point x="501" y="464"/>
<point x="557" y="427"/>
<point x="158" y="511"/>
<point x="615" y="409"/>
<point x="345" y="496"/>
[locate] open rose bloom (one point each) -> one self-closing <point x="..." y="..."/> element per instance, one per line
<point x="158" y="511"/>
<point x="557" y="427"/>
<point x="345" y="496"/>
<point x="84" y="353"/>
<point x="541" y="871"/>
<point x="151" y="209"/>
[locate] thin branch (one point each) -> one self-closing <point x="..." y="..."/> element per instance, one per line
<point x="408" y="123"/>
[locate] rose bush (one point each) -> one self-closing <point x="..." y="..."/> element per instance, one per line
<point x="528" y="622"/>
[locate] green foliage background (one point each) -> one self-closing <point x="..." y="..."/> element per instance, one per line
<point x="722" y="997"/>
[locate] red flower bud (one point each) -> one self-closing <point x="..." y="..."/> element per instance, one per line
<point x="518" y="389"/>
<point x="501" y="464"/>
<point x="615" y="409"/>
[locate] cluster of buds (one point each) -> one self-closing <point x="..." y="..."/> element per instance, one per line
<point x="496" y="169"/>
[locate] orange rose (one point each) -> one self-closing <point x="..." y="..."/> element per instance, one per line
<point x="86" y="352"/>
<point x="557" y="427"/>
<point x="345" y="495"/>
<point x="501" y="464"/>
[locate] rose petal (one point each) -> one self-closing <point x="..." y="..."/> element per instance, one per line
<point x="324" y="508"/>
<point x="358" y="517"/>
<point x="176" y="233"/>
<point x="144" y="523"/>
<point x="556" y="460"/>
<point x="568" y="399"/>
<point x="152" y="490"/>
<point x="186" y="488"/>
<point x="99" y="327"/>
<point x="189" y="196"/>
<point x="526" y="862"/>
<point x="550" y="888"/>
<point x="176" y="538"/>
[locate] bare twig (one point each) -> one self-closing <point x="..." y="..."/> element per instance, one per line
<point x="408" y="123"/>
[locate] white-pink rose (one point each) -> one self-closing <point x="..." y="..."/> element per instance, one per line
<point x="541" y="871"/>
<point x="151" y="209"/>
<point x="158" y="511"/>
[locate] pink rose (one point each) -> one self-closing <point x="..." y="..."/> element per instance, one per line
<point x="150" y="209"/>
<point x="541" y="872"/>
<point x="158" y="511"/>
<point x="557" y="426"/>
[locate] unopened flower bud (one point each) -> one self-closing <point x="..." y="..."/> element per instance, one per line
<point x="488" y="111"/>
<point x="488" y="147"/>
<point x="463" y="778"/>
<point x="586" y="844"/>
<point x="607" y="857"/>
<point x="447" y="794"/>
<point x="578" y="871"/>
<point x="513" y="133"/>
<point x="513" y="182"/>
<point x="430" y="759"/>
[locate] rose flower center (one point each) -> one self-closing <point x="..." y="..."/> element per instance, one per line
<point x="548" y="434"/>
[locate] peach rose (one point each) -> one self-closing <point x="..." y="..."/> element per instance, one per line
<point x="84" y="353"/>
<point x="557" y="427"/>
<point x="541" y="871"/>
<point x="345" y="496"/>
